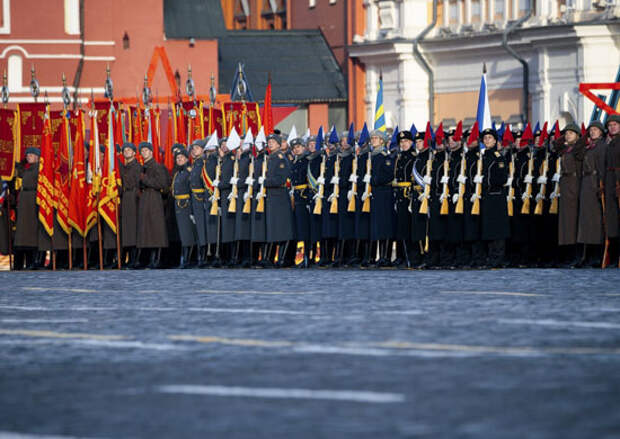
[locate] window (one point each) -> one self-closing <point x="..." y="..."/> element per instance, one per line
<point x="311" y="3"/>
<point x="524" y="6"/>
<point x="454" y="12"/>
<point x="14" y="73"/>
<point x="241" y="14"/>
<point x="72" y="17"/>
<point x="273" y="14"/>
<point x="475" y="11"/>
<point x="499" y="9"/>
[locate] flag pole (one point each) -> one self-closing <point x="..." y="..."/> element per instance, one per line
<point x="109" y="90"/>
<point x="5" y="101"/>
<point x="96" y="184"/>
<point x="66" y="100"/>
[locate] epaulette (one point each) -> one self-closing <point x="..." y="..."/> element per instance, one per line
<point x="497" y="154"/>
<point x="189" y="169"/>
<point x="280" y="155"/>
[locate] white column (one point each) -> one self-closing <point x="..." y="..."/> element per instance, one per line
<point x="467" y="12"/>
<point x="515" y="9"/>
<point x="372" y="20"/>
<point x="446" y="13"/>
<point x="506" y="16"/>
<point x="491" y="17"/>
<point x="483" y="11"/>
<point x="460" y="11"/>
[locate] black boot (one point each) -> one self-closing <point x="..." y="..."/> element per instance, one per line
<point x="337" y="262"/>
<point x="153" y="263"/>
<point x="282" y="255"/>
<point x="366" y="245"/>
<point x="184" y="261"/>
<point x="580" y="255"/>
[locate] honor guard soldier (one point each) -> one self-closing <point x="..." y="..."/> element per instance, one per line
<point x="362" y="206"/>
<point x="402" y="198"/>
<point x="494" y="214"/>
<point x="259" y="222"/>
<point x="438" y="251"/>
<point x="419" y="221"/>
<point x="198" y="197"/>
<point x="130" y="185"/>
<point x="209" y="177"/>
<point x="151" y="221"/>
<point x="243" y="233"/>
<point x="471" y="230"/>
<point x="346" y="217"/>
<point x="314" y="159"/>
<point x="278" y="209"/>
<point x="227" y="219"/>
<point x="181" y="191"/>
<point x="329" y="219"/>
<point x="382" y="200"/>
<point x="301" y="197"/>
<point x="455" y="230"/>
<point x="522" y="218"/>
<point x="612" y="187"/>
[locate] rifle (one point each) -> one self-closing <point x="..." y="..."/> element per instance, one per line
<point x="336" y="193"/>
<point x="232" y="206"/>
<point x="459" y="202"/>
<point x="247" y="204"/>
<point x="475" y="208"/>
<point x="260" y="197"/>
<point x="525" y="208"/>
<point x="318" y="205"/>
<point x="445" y="195"/>
<point x="367" y="189"/>
<point x="353" y="179"/>
<point x="511" y="188"/>
<point x="542" y="191"/>
<point x="427" y="187"/>
<point x="216" y="190"/>
<point x="555" y="195"/>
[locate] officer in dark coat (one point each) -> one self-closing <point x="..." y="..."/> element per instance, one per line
<point x="382" y="201"/>
<point x="472" y="228"/>
<point x="362" y="219"/>
<point x="181" y="191"/>
<point x="211" y="221"/>
<point x="227" y="219"/>
<point x="329" y="220"/>
<point x="346" y="219"/>
<point x="455" y="228"/>
<point x="198" y="198"/>
<point x="278" y="208"/>
<point x="419" y="221"/>
<point x="402" y="197"/>
<point x="243" y="220"/>
<point x="493" y="211"/>
<point x="301" y="197"/>
<point x="314" y="159"/>
<point x="258" y="221"/>
<point x="130" y="186"/>
<point x="522" y="223"/>
<point x="612" y="187"/>
<point x="438" y="254"/>
<point x="154" y="180"/>
<point x="171" y="255"/>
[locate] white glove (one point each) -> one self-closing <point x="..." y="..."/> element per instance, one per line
<point x="525" y="196"/>
<point x="212" y="198"/>
<point x="556" y="177"/>
<point x="474" y="197"/>
<point x="350" y="195"/>
<point x="332" y="197"/>
<point x="335" y="180"/>
<point x="261" y="180"/>
<point x="510" y="197"/>
<point x="291" y="193"/>
<point x="192" y="219"/>
<point x="443" y="197"/>
<point x="249" y="181"/>
<point x="365" y="195"/>
<point x="353" y="178"/>
<point x="421" y="196"/>
<point x="246" y="196"/>
<point x="231" y="196"/>
<point x="445" y="179"/>
<point x="320" y="180"/>
<point x="478" y="179"/>
<point x="259" y="195"/>
<point x="317" y="196"/>
<point x="427" y="179"/>
<point x="542" y="180"/>
<point x="216" y="183"/>
<point x="554" y="194"/>
<point x="455" y="198"/>
<point x="528" y="179"/>
<point x="366" y="178"/>
<point x="234" y="181"/>
<point x="508" y="182"/>
<point x="462" y="179"/>
<point x="539" y="197"/>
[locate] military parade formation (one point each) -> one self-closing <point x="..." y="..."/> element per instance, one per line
<point x="455" y="200"/>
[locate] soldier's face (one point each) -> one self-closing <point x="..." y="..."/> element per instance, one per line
<point x="489" y="141"/>
<point x="146" y="153"/>
<point x="613" y="127"/>
<point x="419" y="144"/>
<point x="405" y="144"/>
<point x="223" y="148"/>
<point x="312" y="146"/>
<point x="571" y="136"/>
<point x="284" y="145"/>
<point x="298" y="149"/>
<point x="196" y="151"/>
<point x="344" y="143"/>
<point x="272" y="144"/>
<point x="452" y="144"/>
<point x="129" y="154"/>
<point x="376" y="141"/>
<point x="595" y="133"/>
<point x="181" y="160"/>
<point x="32" y="158"/>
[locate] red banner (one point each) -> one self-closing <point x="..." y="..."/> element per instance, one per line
<point x="30" y="126"/>
<point x="213" y="120"/>
<point x="108" y="201"/>
<point x="45" y="187"/>
<point x="194" y="124"/>
<point x="79" y="202"/>
<point x="62" y="174"/>
<point x="242" y="115"/>
<point x="9" y="143"/>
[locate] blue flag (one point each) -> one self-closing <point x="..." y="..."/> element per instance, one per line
<point x="379" y="114"/>
<point x="319" y="139"/>
<point x="234" y="91"/>
<point x="413" y="130"/>
<point x="351" y="135"/>
<point x="333" y="136"/>
<point x="500" y="132"/>
<point x="537" y="127"/>
<point x="364" y="136"/>
<point x="394" y="140"/>
<point x="483" y="115"/>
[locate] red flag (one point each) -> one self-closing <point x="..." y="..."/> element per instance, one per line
<point x="556" y="131"/>
<point x="267" y="111"/>
<point x="507" y="138"/>
<point x="458" y="133"/>
<point x="474" y="134"/>
<point x="583" y="129"/>
<point x="62" y="175"/>
<point x="45" y="187"/>
<point x="94" y="167"/>
<point x="168" y="159"/>
<point x="155" y="134"/>
<point x="79" y="201"/>
<point x="439" y="135"/>
<point x="108" y="202"/>
<point x="118" y="135"/>
<point x="543" y="135"/>
<point x="527" y="134"/>
<point x="427" y="135"/>
<point x="180" y="136"/>
<point x="136" y="124"/>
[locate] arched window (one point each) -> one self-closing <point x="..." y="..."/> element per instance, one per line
<point x="15" y="73"/>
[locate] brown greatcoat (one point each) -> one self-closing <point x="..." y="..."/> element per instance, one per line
<point x="590" y="229"/>
<point x="151" y="220"/>
<point x="612" y="179"/>
<point x="130" y="178"/>
<point x="27" y="233"/>
<point x="570" y="182"/>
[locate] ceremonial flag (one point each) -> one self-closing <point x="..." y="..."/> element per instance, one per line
<point x="537" y="127"/>
<point x="483" y="116"/>
<point x="351" y="135"/>
<point x="507" y="138"/>
<point x="583" y="129"/>
<point x="180" y="125"/>
<point x="364" y="136"/>
<point x="413" y="130"/>
<point x="79" y="207"/>
<point x="439" y="135"/>
<point x="260" y="140"/>
<point x="292" y="135"/>
<point x="234" y="141"/>
<point x="168" y="159"/>
<point x="379" y="114"/>
<point x="333" y="136"/>
<point x="543" y="135"/>
<point x="394" y="139"/>
<point x="319" y="138"/>
<point x="248" y="141"/>
<point x="108" y="202"/>
<point x="474" y="134"/>
<point x="500" y="132"/>
<point x="267" y="110"/>
<point x="213" y="143"/>
<point x="527" y="134"/>
<point x="9" y="142"/>
<point x="428" y="136"/>
<point x="31" y="118"/>
<point x="458" y="132"/>
<point x="45" y="187"/>
<point x="62" y="175"/>
<point x="556" y="131"/>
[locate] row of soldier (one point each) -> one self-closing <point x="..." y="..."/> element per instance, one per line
<point x="469" y="202"/>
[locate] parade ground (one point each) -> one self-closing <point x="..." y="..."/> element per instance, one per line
<point x="310" y="353"/>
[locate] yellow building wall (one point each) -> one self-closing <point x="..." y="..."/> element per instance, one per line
<point x="504" y="103"/>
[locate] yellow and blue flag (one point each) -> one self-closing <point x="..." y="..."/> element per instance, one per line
<point x="379" y="115"/>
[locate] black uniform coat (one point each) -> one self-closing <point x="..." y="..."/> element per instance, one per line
<point x="210" y="220"/>
<point x="130" y="186"/>
<point x="151" y="221"/>
<point x="259" y="220"/>
<point x="316" y="221"/>
<point x="278" y="210"/>
<point x="590" y="228"/>
<point x="419" y="220"/>
<point x="329" y="220"/>
<point x="228" y="218"/>
<point x="346" y="219"/>
<point x="302" y="195"/>
<point x="362" y="219"/>
<point x="612" y="177"/>
<point x="570" y="184"/>
<point x="437" y="223"/>
<point x="27" y="221"/>
<point x="181" y="190"/>
<point x="402" y="195"/>
<point x="471" y="222"/>
<point x="522" y="224"/>
<point x="455" y="229"/>
<point x="243" y="220"/>
<point x="199" y="195"/>
<point x="382" y="201"/>
<point x="495" y="222"/>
